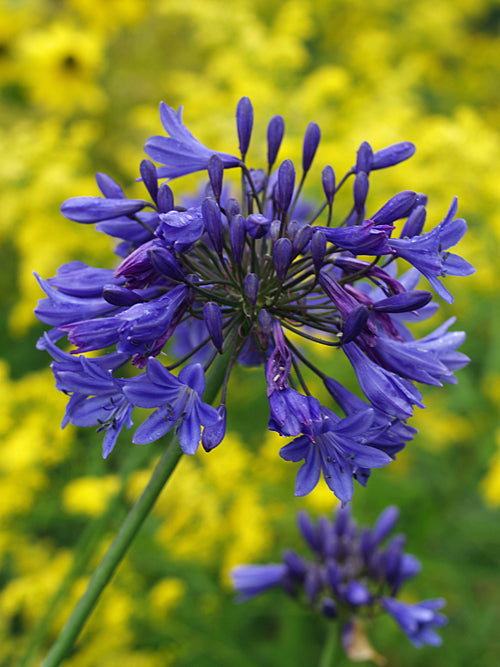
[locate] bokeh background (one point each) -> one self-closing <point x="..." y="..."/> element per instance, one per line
<point x="80" y="82"/>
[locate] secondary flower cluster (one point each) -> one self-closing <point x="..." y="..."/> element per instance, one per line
<point x="352" y="576"/>
<point x="248" y="278"/>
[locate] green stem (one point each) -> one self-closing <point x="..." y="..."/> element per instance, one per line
<point x="127" y="532"/>
<point x="330" y="647"/>
<point x="83" y="552"/>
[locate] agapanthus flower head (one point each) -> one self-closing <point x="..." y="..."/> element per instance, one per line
<point x="247" y="277"/>
<point x="352" y="573"/>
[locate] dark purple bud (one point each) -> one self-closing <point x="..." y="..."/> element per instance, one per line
<point x="308" y="530"/>
<point x="292" y="229"/>
<point x="302" y="238"/>
<point x="342" y="520"/>
<point x="120" y="296"/>
<point x="328" y="608"/>
<point x="237" y="234"/>
<point x="312" y="583"/>
<point x="311" y="143"/>
<point x="318" y="249"/>
<point x="333" y="574"/>
<point x="355" y="323"/>
<point x="286" y="183"/>
<point x="388" y="157"/>
<point x="165" y="198"/>
<point x="275" y="131"/>
<point x="384" y="525"/>
<point x="215" y="174"/>
<point x="213" y="222"/>
<point x="295" y="564"/>
<point x="274" y="230"/>
<point x="214" y="434"/>
<point x="282" y="256"/>
<point x="108" y="186"/>
<point x="364" y="158"/>
<point x="244" y="123"/>
<point x="360" y="189"/>
<point x="232" y="208"/>
<point x="165" y="263"/>
<point x="148" y="175"/>
<point x="251" y="286"/>
<point x="328" y="180"/>
<point x="415" y="223"/>
<point x="95" y="209"/>
<point x="265" y="321"/>
<point x="396" y="208"/>
<point x="357" y="593"/>
<point x="404" y="302"/>
<point x="213" y="319"/>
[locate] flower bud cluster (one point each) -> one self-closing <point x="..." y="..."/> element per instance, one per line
<point x="243" y="277"/>
<point x="353" y="575"/>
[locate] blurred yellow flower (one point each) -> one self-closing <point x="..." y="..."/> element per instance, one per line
<point x="60" y="65"/>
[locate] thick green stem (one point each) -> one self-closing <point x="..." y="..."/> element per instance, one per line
<point x="127" y="532"/>
<point x="330" y="647"/>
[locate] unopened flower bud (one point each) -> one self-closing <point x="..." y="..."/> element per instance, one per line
<point x="318" y="249"/>
<point x="396" y="208"/>
<point x="237" y="234"/>
<point x="275" y="131"/>
<point x="328" y="181"/>
<point x="292" y="229"/>
<point x="265" y="321"/>
<point x="232" y="208"/>
<point x="301" y="239"/>
<point x="251" y="286"/>
<point x="355" y="323"/>
<point x="165" y="263"/>
<point x="244" y="123"/>
<point x="282" y="256"/>
<point x="274" y="230"/>
<point x="415" y="223"/>
<point x="215" y="174"/>
<point x="213" y="319"/>
<point x="286" y="183"/>
<point x="404" y="302"/>
<point x="165" y="198"/>
<point x="311" y="142"/>
<point x="360" y="188"/>
<point x="391" y="155"/>
<point x="148" y="175"/>
<point x="213" y="223"/>
<point x="120" y="296"/>
<point x="364" y="158"/>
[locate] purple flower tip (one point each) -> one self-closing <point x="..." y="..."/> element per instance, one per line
<point x="244" y="123"/>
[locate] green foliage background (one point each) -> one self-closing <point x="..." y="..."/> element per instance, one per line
<point x="80" y="81"/>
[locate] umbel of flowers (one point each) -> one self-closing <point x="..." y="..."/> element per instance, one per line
<point x="353" y="576"/>
<point x="246" y="278"/>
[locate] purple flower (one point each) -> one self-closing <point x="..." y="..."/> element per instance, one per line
<point x="180" y="153"/>
<point x="251" y="580"/>
<point x="418" y="620"/>
<point x="346" y="578"/>
<point x="96" y="397"/>
<point x="337" y="448"/>
<point x="179" y="402"/>
<point x="429" y="252"/>
<point x="385" y="390"/>
<point x="218" y="279"/>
